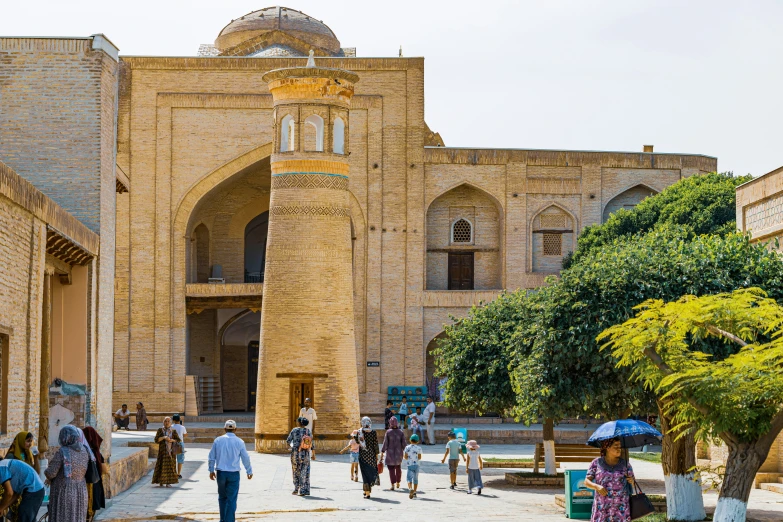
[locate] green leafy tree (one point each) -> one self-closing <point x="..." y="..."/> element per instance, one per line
<point x="738" y="399"/>
<point x="705" y="204"/>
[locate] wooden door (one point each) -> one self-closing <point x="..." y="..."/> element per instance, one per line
<point x="460" y="270"/>
<point x="300" y="390"/>
<point x="252" y="375"/>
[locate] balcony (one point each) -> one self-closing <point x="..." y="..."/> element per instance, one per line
<point x="200" y="296"/>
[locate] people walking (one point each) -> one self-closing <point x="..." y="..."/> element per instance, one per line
<point x="223" y="463"/>
<point x="181" y="431"/>
<point x="368" y="456"/>
<point x="122" y="417"/>
<point x="608" y="476"/>
<point x="354" y="446"/>
<point x="166" y="466"/>
<point x="474" y="466"/>
<point x="66" y="471"/>
<point x="453" y="451"/>
<point x="393" y="447"/>
<point x="412" y="454"/>
<point x="19" y="480"/>
<point x="429" y="420"/>
<point x="96" y="495"/>
<point x="141" y="417"/>
<point x="308" y="413"/>
<point x="301" y="442"/>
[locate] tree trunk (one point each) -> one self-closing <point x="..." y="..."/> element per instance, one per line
<point x="550" y="467"/>
<point x="744" y="461"/>
<point x="684" y="499"/>
<point x="46" y="367"/>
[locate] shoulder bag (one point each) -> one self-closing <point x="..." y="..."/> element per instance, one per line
<point x="640" y="504"/>
<point x="92" y="475"/>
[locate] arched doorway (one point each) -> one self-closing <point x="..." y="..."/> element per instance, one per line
<point x="433" y="379"/>
<point x="256" y="233"/>
<point x="239" y="359"/>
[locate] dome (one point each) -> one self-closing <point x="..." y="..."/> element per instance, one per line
<point x="278" y="28"/>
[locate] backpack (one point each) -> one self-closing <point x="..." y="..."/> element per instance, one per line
<point x="307" y="441"/>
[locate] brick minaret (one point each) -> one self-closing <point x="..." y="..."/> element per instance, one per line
<point x="307" y="317"/>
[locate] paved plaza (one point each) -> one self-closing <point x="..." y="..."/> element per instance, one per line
<point x="334" y="497"/>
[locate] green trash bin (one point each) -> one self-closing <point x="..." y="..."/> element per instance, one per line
<point x="578" y="498"/>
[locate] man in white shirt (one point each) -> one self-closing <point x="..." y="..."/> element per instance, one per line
<point x="309" y="413"/>
<point x="223" y="460"/>
<point x="181" y="431"/>
<point x="429" y="420"/>
<point x="122" y="417"/>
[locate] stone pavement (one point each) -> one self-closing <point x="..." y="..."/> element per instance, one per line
<point x="334" y="497"/>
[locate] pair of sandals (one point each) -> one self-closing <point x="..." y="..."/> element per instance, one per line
<point x="296" y="492"/>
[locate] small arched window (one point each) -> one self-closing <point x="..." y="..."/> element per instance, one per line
<point x="461" y="232"/>
<point x="287" y="134"/>
<point x="314" y="133"/>
<point x="338" y="136"/>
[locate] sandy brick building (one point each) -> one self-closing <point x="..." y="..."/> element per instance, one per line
<point x="57" y="212"/>
<point x="760" y="213"/>
<point x="435" y="230"/>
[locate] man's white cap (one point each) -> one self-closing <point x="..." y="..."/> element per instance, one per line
<point x="231" y="425"/>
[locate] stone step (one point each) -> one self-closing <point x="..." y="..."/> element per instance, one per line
<point x="772" y="486"/>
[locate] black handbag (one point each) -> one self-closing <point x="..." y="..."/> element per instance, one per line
<point x="640" y="504"/>
<point x="92" y="475"/>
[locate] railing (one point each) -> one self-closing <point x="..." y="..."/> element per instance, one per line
<point x="254" y="277"/>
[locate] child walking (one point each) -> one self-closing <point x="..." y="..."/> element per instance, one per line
<point x="453" y="451"/>
<point x="353" y="445"/>
<point x="412" y="454"/>
<point x="474" y="465"/>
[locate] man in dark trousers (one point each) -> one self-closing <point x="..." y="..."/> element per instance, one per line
<point x="224" y="458"/>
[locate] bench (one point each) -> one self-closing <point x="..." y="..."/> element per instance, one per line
<point x="566" y="453"/>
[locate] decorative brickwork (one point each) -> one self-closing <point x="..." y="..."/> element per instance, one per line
<point x="309" y="180"/>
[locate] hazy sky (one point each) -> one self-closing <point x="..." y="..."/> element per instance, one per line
<point x="687" y="76"/>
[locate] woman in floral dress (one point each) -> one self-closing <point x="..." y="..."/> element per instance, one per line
<point x="368" y="456"/>
<point x="300" y="458"/>
<point x="608" y="476"/>
<point x="166" y="467"/>
<point x="68" y="496"/>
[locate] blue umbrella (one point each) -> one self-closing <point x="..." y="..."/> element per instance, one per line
<point x="632" y="433"/>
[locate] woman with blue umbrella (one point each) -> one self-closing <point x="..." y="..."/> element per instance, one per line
<point x="610" y="474"/>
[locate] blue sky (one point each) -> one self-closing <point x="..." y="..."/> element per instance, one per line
<point x="698" y="76"/>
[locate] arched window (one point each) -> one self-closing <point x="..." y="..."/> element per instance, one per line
<point x="287" y="134"/>
<point x="338" y="136"/>
<point x="553" y="237"/>
<point x="256" y="233"/>
<point x="314" y="133"/>
<point x="461" y="232"/>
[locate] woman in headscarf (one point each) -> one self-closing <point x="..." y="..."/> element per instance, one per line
<point x="21" y="449"/>
<point x="68" y="496"/>
<point x="368" y="456"/>
<point x="95" y="493"/>
<point x="141" y="417"/>
<point x="301" y="442"/>
<point x="393" y="447"/>
<point x="166" y="467"/>
<point x="608" y="476"/>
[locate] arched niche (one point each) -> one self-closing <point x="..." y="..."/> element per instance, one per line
<point x="475" y="264"/>
<point x="256" y="233"/>
<point x="238" y="340"/>
<point x="627" y="199"/>
<point x="314" y="133"/>
<point x="553" y="235"/>
<point x="287" y="134"/>
<point x="338" y="136"/>
<point x="200" y="257"/>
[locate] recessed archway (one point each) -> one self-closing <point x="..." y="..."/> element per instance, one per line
<point x="627" y="199"/>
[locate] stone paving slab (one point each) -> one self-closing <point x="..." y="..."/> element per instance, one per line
<point x="334" y="497"/>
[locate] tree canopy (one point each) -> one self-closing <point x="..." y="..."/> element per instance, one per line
<point x="705" y="204"/>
